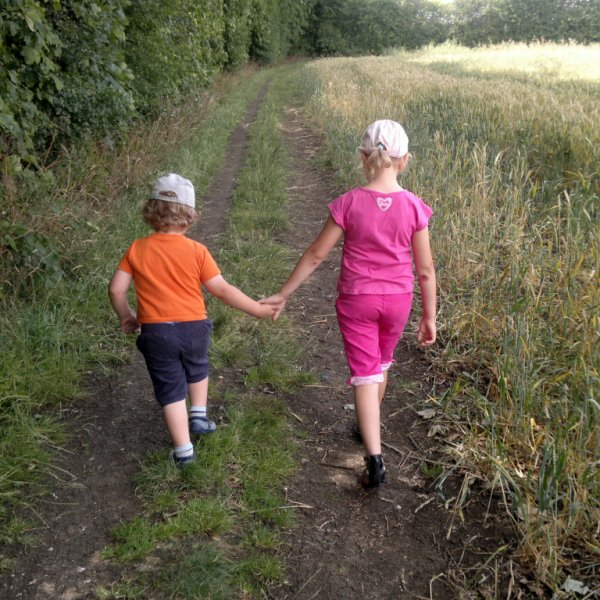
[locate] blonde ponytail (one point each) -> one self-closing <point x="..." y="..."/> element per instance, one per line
<point x="376" y="161"/>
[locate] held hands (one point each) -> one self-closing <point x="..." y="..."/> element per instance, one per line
<point x="265" y="311"/>
<point x="427" y="332"/>
<point x="275" y="302"/>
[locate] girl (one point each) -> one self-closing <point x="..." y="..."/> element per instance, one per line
<point x="381" y="224"/>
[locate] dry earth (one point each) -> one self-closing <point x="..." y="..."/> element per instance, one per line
<point x="402" y="540"/>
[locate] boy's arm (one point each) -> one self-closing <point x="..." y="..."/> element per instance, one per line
<point x="426" y="276"/>
<point x="117" y="291"/>
<point x="232" y="296"/>
<point x="313" y="256"/>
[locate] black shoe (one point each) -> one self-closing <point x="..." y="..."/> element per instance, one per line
<point x="375" y="470"/>
<point x="201" y="425"/>
<point x="182" y="461"/>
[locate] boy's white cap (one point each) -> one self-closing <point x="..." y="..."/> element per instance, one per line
<point x="387" y="135"/>
<point x="174" y="188"/>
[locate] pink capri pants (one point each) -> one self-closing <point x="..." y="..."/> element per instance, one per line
<point x="371" y="326"/>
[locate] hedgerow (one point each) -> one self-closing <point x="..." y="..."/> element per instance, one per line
<point x="73" y="69"/>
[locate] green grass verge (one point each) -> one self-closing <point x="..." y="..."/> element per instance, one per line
<point x="56" y="323"/>
<point x="213" y="529"/>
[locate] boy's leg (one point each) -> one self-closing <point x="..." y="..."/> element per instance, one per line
<point x="177" y="423"/>
<point x="366" y="402"/>
<point x="194" y="354"/>
<point x="198" y="393"/>
<point x="198" y="419"/>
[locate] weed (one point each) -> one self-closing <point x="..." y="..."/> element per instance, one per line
<point x="205" y="572"/>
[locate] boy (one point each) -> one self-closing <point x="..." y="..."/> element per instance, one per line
<point x="168" y="270"/>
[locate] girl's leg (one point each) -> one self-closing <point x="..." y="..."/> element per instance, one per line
<point x="177" y="423"/>
<point x="382" y="387"/>
<point x="394" y="316"/>
<point x="358" y="322"/>
<point x="366" y="403"/>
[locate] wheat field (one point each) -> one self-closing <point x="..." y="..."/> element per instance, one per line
<point x="506" y="145"/>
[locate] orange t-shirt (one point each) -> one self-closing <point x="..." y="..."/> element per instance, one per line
<point x="168" y="271"/>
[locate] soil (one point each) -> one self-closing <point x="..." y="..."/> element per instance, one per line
<point x="402" y="540"/>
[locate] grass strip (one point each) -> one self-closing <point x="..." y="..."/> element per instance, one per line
<point x="213" y="530"/>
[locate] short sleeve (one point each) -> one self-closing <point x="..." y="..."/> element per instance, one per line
<point x="337" y="212"/>
<point x="423" y="214"/>
<point x="125" y="264"/>
<point x="208" y="266"/>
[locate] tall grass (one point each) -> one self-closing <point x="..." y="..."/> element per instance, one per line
<point x="510" y="163"/>
<point x="545" y="62"/>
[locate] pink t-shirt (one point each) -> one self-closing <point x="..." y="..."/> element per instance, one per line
<point x="378" y="230"/>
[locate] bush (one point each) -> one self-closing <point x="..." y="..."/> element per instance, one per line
<point x="173" y="48"/>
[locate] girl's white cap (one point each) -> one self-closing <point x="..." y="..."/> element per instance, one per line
<point x="174" y="188"/>
<point x="386" y="135"/>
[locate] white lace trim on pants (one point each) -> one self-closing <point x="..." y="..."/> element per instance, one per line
<point x="367" y="379"/>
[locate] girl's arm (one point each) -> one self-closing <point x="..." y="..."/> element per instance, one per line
<point x="117" y="291"/>
<point x="426" y="277"/>
<point x="232" y="296"/>
<point x="313" y="256"/>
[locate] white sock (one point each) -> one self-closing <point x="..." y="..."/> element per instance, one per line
<point x="184" y="451"/>
<point x="198" y="411"/>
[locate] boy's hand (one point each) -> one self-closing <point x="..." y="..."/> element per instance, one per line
<point x="129" y="323"/>
<point x="266" y="311"/>
<point x="427" y="332"/>
<point x="277" y="302"/>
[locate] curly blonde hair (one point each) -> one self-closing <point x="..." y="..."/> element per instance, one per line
<point x="160" y="214"/>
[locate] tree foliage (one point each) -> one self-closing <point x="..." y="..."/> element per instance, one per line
<point x="96" y="96"/>
<point x="493" y="21"/>
<point x="342" y="27"/>
<point x="63" y="73"/>
<point x="85" y="68"/>
<point x="173" y="47"/>
<point x="29" y="75"/>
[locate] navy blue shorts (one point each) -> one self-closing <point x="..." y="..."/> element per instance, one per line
<point x="176" y="354"/>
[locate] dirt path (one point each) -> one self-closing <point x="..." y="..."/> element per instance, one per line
<point x="112" y="429"/>
<point x="389" y="543"/>
<point x="347" y="543"/>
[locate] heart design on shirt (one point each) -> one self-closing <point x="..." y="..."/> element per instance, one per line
<point x="384" y="203"/>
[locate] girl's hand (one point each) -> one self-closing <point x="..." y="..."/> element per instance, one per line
<point x="277" y="302"/>
<point x="265" y="311"/>
<point x="427" y="332"/>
